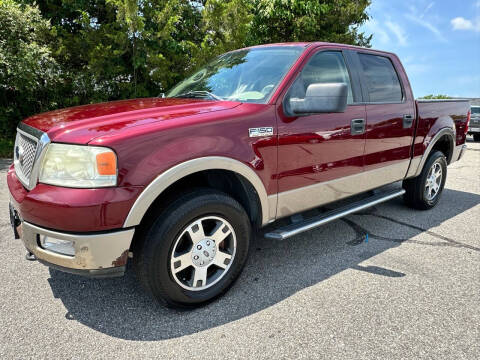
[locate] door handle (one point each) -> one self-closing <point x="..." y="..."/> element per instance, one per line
<point x="357" y="126"/>
<point x="407" y="121"/>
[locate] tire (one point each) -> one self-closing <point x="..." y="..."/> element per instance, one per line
<point x="184" y="267"/>
<point x="476" y="137"/>
<point x="417" y="195"/>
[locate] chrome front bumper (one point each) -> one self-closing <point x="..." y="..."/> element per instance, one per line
<point x="98" y="255"/>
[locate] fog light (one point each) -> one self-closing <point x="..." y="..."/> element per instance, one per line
<point x="63" y="247"/>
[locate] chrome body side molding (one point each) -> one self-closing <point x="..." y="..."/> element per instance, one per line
<point x="297" y="228"/>
<point x="167" y="178"/>
<point x="309" y="197"/>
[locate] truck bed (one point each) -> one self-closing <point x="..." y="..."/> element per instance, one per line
<point x="432" y="115"/>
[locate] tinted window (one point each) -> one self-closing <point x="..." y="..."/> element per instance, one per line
<point x="475" y="110"/>
<point x="324" y="67"/>
<point x="382" y="80"/>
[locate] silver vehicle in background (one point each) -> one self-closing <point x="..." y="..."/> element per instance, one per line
<point x="474" y="128"/>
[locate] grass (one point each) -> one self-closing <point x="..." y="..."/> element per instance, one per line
<point x="6" y="148"/>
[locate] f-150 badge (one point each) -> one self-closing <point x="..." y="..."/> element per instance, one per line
<point x="260" y="131"/>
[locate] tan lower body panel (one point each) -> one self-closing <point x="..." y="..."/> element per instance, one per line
<point x="92" y="252"/>
<point x="309" y="197"/>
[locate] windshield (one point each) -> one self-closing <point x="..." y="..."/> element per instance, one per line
<point x="475" y="110"/>
<point x="249" y="75"/>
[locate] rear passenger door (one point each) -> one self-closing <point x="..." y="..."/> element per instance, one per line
<point x="391" y="116"/>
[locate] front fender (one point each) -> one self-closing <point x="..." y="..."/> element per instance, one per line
<point x="172" y="175"/>
<point x="158" y="154"/>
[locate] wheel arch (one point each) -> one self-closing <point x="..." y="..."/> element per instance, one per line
<point x="444" y="141"/>
<point x="214" y="167"/>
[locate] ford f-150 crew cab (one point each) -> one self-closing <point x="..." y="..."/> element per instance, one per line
<point x="179" y="183"/>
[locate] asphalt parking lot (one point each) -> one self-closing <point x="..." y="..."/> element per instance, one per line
<point x="411" y="291"/>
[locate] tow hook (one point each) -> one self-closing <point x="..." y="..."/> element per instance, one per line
<point x="30" y="257"/>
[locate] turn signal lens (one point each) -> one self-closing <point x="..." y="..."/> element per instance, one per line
<point x="107" y="163"/>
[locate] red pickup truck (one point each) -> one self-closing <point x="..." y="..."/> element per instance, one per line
<point x="178" y="183"/>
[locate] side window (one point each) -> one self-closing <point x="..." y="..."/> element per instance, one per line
<point x="382" y="80"/>
<point x="323" y="67"/>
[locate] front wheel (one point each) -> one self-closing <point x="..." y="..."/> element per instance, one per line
<point x="195" y="249"/>
<point x="476" y="137"/>
<point x="423" y="192"/>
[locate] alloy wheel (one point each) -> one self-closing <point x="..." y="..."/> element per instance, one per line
<point x="203" y="253"/>
<point x="434" y="181"/>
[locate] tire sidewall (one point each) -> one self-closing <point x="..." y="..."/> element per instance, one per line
<point x="164" y="232"/>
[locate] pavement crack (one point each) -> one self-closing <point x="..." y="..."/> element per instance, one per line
<point x="429" y="232"/>
<point x="361" y="234"/>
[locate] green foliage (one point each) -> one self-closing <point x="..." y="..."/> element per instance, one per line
<point x="27" y="68"/>
<point x="225" y="25"/>
<point x="439" y="96"/>
<point x="115" y="49"/>
<point x="309" y="20"/>
<point x="6" y="147"/>
<point x="59" y="53"/>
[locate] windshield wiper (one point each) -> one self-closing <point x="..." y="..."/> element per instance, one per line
<point x="198" y="93"/>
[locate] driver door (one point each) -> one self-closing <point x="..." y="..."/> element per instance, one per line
<point x="318" y="153"/>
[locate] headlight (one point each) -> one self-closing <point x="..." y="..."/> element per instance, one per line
<point x="78" y="166"/>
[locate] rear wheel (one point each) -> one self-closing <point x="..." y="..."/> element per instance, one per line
<point x="423" y="192"/>
<point x="195" y="249"/>
<point x="476" y="137"/>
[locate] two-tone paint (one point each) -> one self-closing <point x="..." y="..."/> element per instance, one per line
<point x="158" y="141"/>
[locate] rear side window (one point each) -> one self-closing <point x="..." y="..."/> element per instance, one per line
<point x="381" y="78"/>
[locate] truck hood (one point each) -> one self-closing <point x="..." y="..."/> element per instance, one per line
<point x="81" y="124"/>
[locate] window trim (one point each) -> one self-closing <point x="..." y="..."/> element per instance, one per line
<point x="363" y="79"/>
<point x="357" y="93"/>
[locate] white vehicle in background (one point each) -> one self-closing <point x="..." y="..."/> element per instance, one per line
<point x="474" y="128"/>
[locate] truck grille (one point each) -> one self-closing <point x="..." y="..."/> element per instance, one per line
<point x="25" y="150"/>
<point x="29" y="145"/>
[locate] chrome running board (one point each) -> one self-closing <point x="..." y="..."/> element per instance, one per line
<point x="299" y="227"/>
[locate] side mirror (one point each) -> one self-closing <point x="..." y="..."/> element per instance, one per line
<point x="321" y="98"/>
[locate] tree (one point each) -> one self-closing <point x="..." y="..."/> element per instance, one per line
<point x="309" y="20"/>
<point x="28" y="71"/>
<point x="439" y="96"/>
<point x="84" y="51"/>
<point x="225" y="26"/>
<point x="113" y="49"/>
